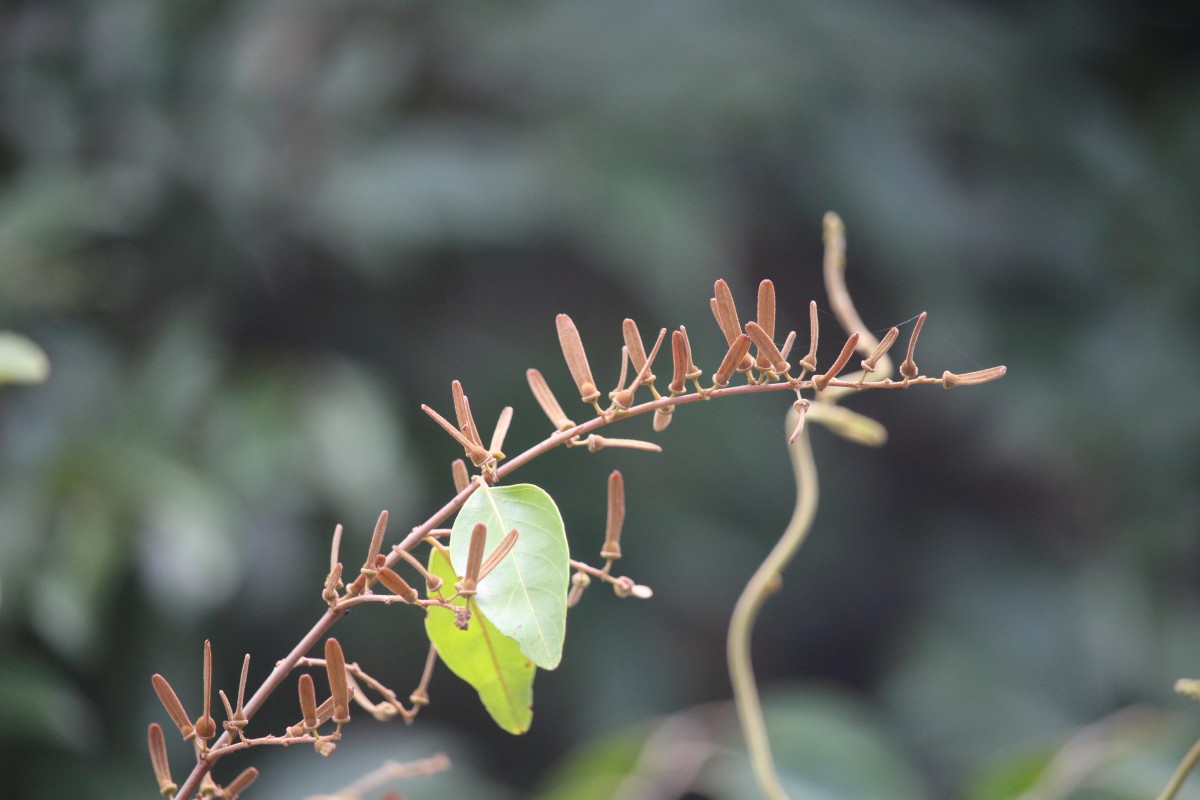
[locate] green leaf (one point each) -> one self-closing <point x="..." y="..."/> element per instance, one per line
<point x="526" y="595"/>
<point x="483" y="657"/>
<point x="600" y="767"/>
<point x="21" y="361"/>
<point x="1012" y="776"/>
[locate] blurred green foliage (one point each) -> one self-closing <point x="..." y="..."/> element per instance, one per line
<point x="253" y="235"/>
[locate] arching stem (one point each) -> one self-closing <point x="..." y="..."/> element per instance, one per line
<point x="1181" y="773"/>
<point x="760" y="586"/>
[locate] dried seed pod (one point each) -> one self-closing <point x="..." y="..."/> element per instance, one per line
<point x="637" y="354"/>
<point x="174" y="708"/>
<point x="335" y="546"/>
<point x="737" y="352"/>
<point x="458" y="470"/>
<point x="333" y="581"/>
<point x="357" y="586"/>
<point x="821" y="381"/>
<point x="786" y="349"/>
<point x="229" y="726"/>
<point x="468" y="584"/>
<point x="950" y="379"/>
<point x="368" y="567"/>
<point x="462" y="411"/>
<point x="577" y="363"/>
<point x="727" y="318"/>
<point x="616" y="516"/>
<point x="766" y="307"/>
<point x="206" y="726"/>
<point x="889" y="338"/>
<point x="908" y="368"/>
<point x="470" y="430"/>
<point x="680" y="359"/>
<point x="335" y="668"/>
<point x="769" y="357"/>
<point x="545" y="398"/>
<point x="766" y="320"/>
<point x="158" y="759"/>
<point x="308" y="702"/>
<point x="474" y="451"/>
<point x="644" y="375"/>
<point x="725" y="311"/>
<point x="397" y="585"/>
<point x="624" y="399"/>
<point x="432" y="582"/>
<point x="497" y="443"/>
<point x="497" y="555"/>
<point x="240" y="783"/>
<point x="693" y="371"/>
<point x="809" y="362"/>
<point x="237" y="718"/>
<point x="596" y="442"/>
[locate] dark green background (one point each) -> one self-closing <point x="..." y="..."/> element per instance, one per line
<point x="255" y="236"/>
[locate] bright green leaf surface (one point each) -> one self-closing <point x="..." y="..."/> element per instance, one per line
<point x="21" y="361"/>
<point x="526" y="595"/>
<point x="483" y="657"/>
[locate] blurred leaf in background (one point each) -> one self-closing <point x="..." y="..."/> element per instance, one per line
<point x="21" y="361"/>
<point x="253" y="236"/>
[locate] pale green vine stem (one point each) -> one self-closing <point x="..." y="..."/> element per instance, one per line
<point x="761" y="585"/>
<point x="1181" y="773"/>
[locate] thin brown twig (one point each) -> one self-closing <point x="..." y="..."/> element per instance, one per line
<point x="330" y="617"/>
